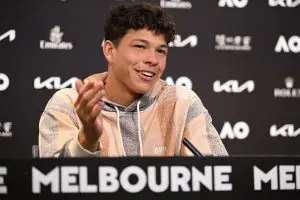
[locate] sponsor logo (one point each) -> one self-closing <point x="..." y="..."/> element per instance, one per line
<point x="233" y="3"/>
<point x="287" y="46"/>
<point x="179" y="4"/>
<point x="289" y="91"/>
<point x="56" y="40"/>
<point x="160" y="149"/>
<point x="4" y="82"/>
<point x="191" y="40"/>
<point x="287" y="130"/>
<point x="5" y="129"/>
<point x="239" y="130"/>
<point x="54" y="83"/>
<point x="284" y="3"/>
<point x="233" y="86"/>
<point x="183" y="81"/>
<point x="233" y="43"/>
<point x="11" y="35"/>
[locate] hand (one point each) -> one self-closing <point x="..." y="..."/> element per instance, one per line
<point x="88" y="108"/>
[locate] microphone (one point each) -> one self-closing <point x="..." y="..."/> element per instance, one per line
<point x="191" y="147"/>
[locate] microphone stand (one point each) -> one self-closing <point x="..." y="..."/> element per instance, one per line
<point x="191" y="147"/>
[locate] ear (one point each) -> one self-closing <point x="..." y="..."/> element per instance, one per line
<point x="108" y="52"/>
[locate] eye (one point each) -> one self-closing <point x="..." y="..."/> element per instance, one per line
<point x="139" y="46"/>
<point x="162" y="51"/>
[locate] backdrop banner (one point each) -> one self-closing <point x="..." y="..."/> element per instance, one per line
<point x="240" y="56"/>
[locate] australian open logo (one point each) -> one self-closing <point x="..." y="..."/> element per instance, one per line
<point x="56" y="42"/>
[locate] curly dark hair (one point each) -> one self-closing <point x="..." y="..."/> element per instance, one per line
<point x="138" y="15"/>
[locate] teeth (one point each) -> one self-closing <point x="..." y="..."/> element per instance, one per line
<point x="149" y="74"/>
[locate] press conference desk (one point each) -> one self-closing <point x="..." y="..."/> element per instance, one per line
<point x="276" y="177"/>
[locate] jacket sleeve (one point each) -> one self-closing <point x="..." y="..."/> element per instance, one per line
<point x="59" y="127"/>
<point x="200" y="131"/>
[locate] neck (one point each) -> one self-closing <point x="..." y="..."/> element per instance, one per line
<point x="116" y="91"/>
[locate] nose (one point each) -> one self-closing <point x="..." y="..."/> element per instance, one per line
<point x="151" y="58"/>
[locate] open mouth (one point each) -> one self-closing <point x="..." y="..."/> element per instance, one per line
<point x="148" y="74"/>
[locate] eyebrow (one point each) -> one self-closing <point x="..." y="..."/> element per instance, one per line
<point x="146" y="41"/>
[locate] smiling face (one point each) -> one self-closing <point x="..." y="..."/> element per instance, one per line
<point x="138" y="61"/>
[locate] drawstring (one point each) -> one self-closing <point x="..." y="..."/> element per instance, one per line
<point x="119" y="130"/>
<point x="139" y="129"/>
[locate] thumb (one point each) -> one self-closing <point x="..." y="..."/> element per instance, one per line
<point x="78" y="84"/>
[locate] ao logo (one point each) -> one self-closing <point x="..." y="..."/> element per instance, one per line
<point x="183" y="81"/>
<point x="4" y="82"/>
<point x="11" y="35"/>
<point x="233" y="3"/>
<point x="240" y="130"/>
<point x="292" y="44"/>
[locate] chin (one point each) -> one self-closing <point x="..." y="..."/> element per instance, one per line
<point x="142" y="90"/>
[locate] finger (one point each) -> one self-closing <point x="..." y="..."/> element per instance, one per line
<point x="94" y="114"/>
<point x="86" y="86"/>
<point x="78" y="84"/>
<point x="83" y="90"/>
<point x="95" y="100"/>
<point x="104" y="76"/>
<point x="99" y="77"/>
<point x="90" y="94"/>
<point x="93" y="81"/>
<point x="90" y="79"/>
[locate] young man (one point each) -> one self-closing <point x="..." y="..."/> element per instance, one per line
<point x="129" y="110"/>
